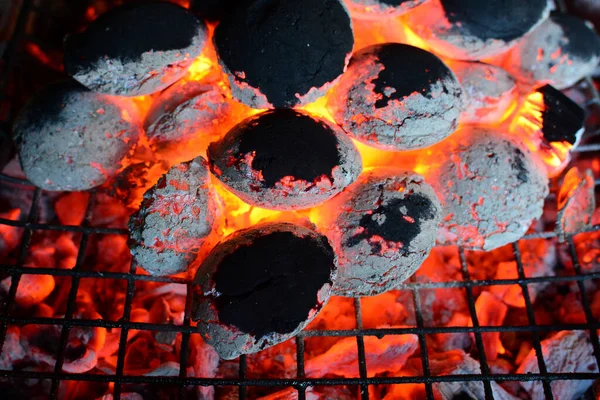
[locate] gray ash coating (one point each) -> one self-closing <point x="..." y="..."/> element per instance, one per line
<point x="261" y="286"/>
<point x="563" y="120"/>
<point x="473" y="29"/>
<point x="490" y="91"/>
<point x="284" y="53"/>
<point x="491" y="187"/>
<point x="388" y="102"/>
<point x="69" y="138"/>
<point x="377" y="8"/>
<point x="135" y="49"/>
<point x="184" y="111"/>
<point x="285" y="159"/>
<point x="174" y="219"/>
<point x="560" y="52"/>
<point x="385" y="226"/>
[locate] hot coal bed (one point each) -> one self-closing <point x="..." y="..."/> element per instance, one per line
<point x="276" y="199"/>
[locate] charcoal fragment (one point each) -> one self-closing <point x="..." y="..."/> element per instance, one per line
<point x="397" y="97"/>
<point x="262" y="285"/>
<point x="69" y="138"/>
<point x="135" y="49"/>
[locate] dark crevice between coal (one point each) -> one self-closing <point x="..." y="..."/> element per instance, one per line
<point x="285" y="47"/>
<point x="505" y="20"/>
<point x="402" y="220"/>
<point x="562" y="118"/>
<point x="271" y="285"/>
<point x="127" y="32"/>
<point x="287" y="143"/>
<point x="407" y="70"/>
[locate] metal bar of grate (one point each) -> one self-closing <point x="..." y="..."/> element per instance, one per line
<point x="422" y="341"/>
<point x="360" y="346"/>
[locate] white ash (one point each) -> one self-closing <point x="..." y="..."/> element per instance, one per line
<point x="228" y="339"/>
<point x="490" y="91"/>
<point x="491" y="187"/>
<point x="560" y="52"/>
<point x="388" y="103"/>
<point x="71" y="139"/>
<point x="479" y="30"/>
<point x="175" y="217"/>
<point x="137" y="68"/>
<point x="382" y="8"/>
<point x="185" y="110"/>
<point x="457" y="362"/>
<point x="385" y="226"/>
<point x="564" y="352"/>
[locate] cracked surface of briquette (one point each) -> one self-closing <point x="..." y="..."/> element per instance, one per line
<point x="175" y="217"/>
<point x="266" y="68"/>
<point x="491" y="188"/>
<point x="135" y="49"/>
<point x="397" y="97"/>
<point x="261" y="286"/>
<point x="385" y="226"/>
<point x="71" y="139"/>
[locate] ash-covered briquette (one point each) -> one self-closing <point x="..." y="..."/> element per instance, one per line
<point x="491" y="188"/>
<point x="397" y="97"/>
<point x="69" y="138"/>
<point x="261" y="286"/>
<point x="490" y="92"/>
<point x="136" y="49"/>
<point x="284" y="160"/>
<point x="185" y="110"/>
<point x="174" y="219"/>
<point x="284" y="53"/>
<point x="475" y="29"/>
<point x="560" y="52"/>
<point x="562" y="119"/>
<point x="386" y="225"/>
<point x="382" y="8"/>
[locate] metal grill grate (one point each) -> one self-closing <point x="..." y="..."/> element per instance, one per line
<point x="30" y="225"/>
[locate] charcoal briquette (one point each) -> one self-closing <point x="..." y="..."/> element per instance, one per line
<point x="385" y="225"/>
<point x="284" y="160"/>
<point x="491" y="187"/>
<point x="382" y="8"/>
<point x="284" y="53"/>
<point x="560" y="52"/>
<point x="261" y="286"/>
<point x="69" y="138"/>
<point x="135" y="49"/>
<point x="475" y="29"/>
<point x="397" y="97"/>
<point x="174" y="219"/>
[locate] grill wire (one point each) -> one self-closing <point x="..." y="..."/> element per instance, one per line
<point x="300" y="383"/>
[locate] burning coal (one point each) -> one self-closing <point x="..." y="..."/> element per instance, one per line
<point x="342" y="145"/>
